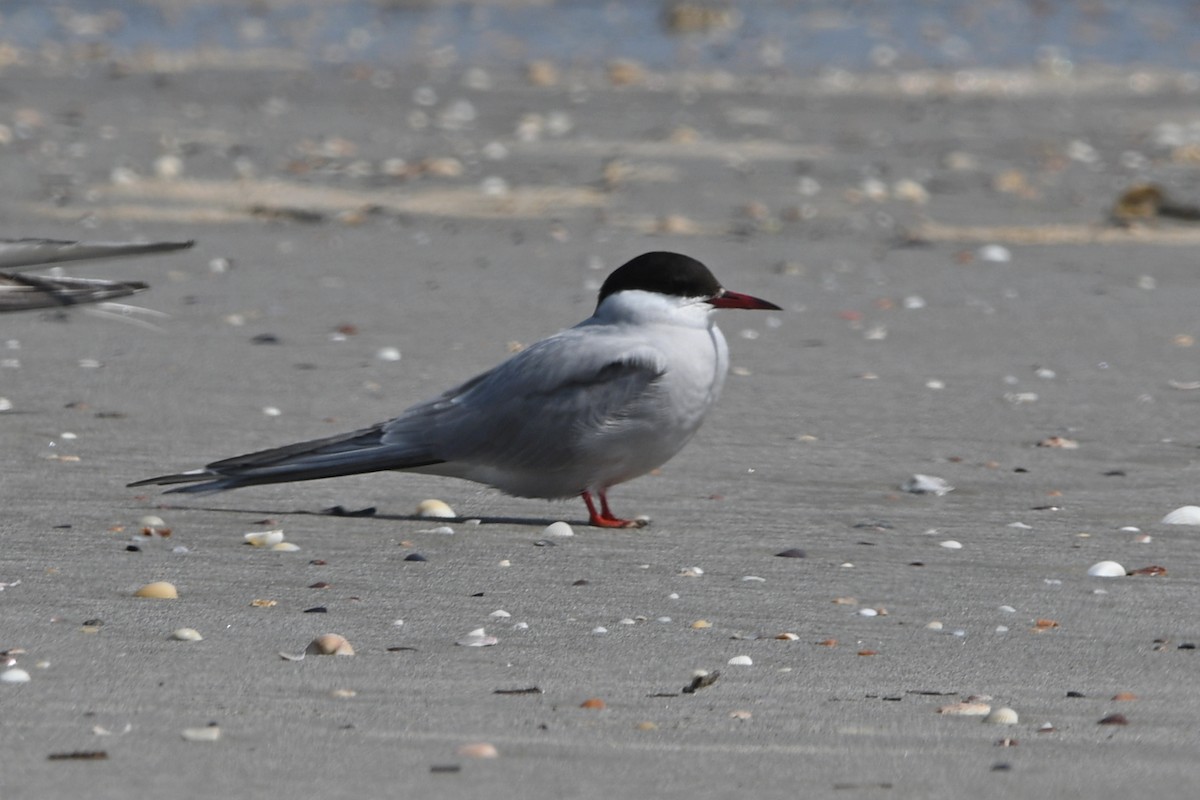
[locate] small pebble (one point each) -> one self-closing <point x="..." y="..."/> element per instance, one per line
<point x="934" y="626"/>
<point x="594" y="703"/>
<point x="868" y="612"/>
<point x="1106" y="569"/>
<point x="159" y="590"/>
<point x="343" y="694"/>
<point x="1002" y="716"/>
<point x="414" y="557"/>
<point x="186" y="635"/>
<point x="388" y="354"/>
<point x="701" y="624"/>
<point x="792" y="552"/>
<point x="1114" y="719"/>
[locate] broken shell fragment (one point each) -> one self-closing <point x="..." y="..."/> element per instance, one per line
<point x="209" y="733"/>
<point x="435" y="509"/>
<point x="966" y="709"/>
<point x="263" y="538"/>
<point x="477" y="638"/>
<point x="329" y="644"/>
<point x="285" y="547"/>
<point x="479" y="750"/>
<point x="926" y="484"/>
<point x="159" y="589"/>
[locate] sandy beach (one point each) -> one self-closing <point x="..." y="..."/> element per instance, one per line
<point x="955" y="293"/>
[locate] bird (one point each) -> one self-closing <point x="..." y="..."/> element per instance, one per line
<point x="20" y="291"/>
<point x="581" y="411"/>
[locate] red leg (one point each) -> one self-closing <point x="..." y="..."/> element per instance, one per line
<point x="606" y="519"/>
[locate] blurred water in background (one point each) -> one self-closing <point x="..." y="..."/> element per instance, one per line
<point x="786" y="36"/>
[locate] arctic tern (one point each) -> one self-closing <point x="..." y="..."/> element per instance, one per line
<point x="577" y="413"/>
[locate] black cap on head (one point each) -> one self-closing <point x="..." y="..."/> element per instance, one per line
<point x="662" y="272"/>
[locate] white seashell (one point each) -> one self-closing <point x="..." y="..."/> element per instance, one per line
<point x="151" y="521"/>
<point x="186" y="635"/>
<point x="558" y="529"/>
<point x="477" y="638"/>
<point x="342" y="694"/>
<point x="1106" y="569"/>
<point x="1184" y="515"/>
<point x="14" y="675"/>
<point x="1001" y="629"/>
<point x="479" y="750"/>
<point x="499" y="613"/>
<point x="951" y="544"/>
<point x="209" y="733"/>
<point x="264" y="538"/>
<point x="435" y="509"/>
<point x="967" y="709"/>
<point x="285" y="547"/>
<point x="329" y="644"/>
<point x="868" y="612"/>
<point x="934" y="626"/>
<point x="1008" y="609"/>
<point x="388" y="354"/>
<point x="599" y="630"/>
<point x="753" y="579"/>
<point x="995" y="253"/>
<point x="1002" y="716"/>
<point x="740" y="661"/>
<point x="926" y="484"/>
<point x="159" y="589"/>
<point x="272" y="411"/>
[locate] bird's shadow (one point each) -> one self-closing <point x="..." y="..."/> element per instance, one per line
<point x="337" y="512"/>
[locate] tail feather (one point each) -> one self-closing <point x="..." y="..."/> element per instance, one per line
<point x="334" y="456"/>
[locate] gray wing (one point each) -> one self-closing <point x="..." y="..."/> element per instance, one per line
<point x="538" y="410"/>
<point x="532" y="410"/>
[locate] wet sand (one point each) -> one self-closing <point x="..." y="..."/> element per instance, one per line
<point x="864" y="208"/>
